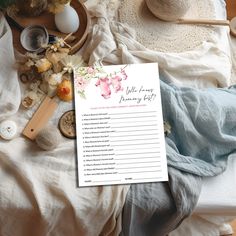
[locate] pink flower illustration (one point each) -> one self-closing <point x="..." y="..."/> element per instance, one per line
<point x="125" y="76"/>
<point x="90" y="70"/>
<point x="81" y="83"/>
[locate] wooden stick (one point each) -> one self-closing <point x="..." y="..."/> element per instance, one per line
<point x="70" y="38"/>
<point x="233" y="26"/>
<point x="203" y="22"/>
<point x="40" y="118"/>
<point x="67" y="36"/>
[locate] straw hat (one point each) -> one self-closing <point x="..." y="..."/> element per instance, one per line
<point x="164" y="36"/>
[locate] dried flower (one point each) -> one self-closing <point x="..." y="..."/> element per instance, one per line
<point x="29" y="63"/>
<point x="6" y="3"/>
<point x="43" y="65"/>
<point x="72" y="63"/>
<point x="30" y="99"/>
<point x="51" y="72"/>
<point x="56" y="6"/>
<point x="55" y="79"/>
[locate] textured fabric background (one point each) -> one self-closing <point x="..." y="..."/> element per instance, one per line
<point x="38" y="189"/>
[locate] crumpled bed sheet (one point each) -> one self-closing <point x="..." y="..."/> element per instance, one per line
<point x="111" y="42"/>
<point x="38" y="190"/>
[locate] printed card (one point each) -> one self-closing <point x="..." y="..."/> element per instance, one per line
<point x="119" y="125"/>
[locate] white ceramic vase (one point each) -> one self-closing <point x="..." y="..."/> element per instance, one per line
<point x="67" y="21"/>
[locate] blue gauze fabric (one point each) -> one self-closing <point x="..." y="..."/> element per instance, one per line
<point x="203" y="128"/>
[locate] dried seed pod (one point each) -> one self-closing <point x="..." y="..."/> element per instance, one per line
<point x="67" y="124"/>
<point x="43" y="65"/>
<point x="31" y="7"/>
<point x="30" y="99"/>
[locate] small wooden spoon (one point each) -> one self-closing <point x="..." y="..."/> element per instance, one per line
<point x="231" y="24"/>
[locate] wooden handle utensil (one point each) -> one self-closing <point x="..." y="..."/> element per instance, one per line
<point x="40" y="118"/>
<point x="203" y="22"/>
<point x="231" y="23"/>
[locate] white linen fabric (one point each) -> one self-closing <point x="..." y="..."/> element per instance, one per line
<point x="38" y="189"/>
<point x="9" y="86"/>
<point x="218" y="196"/>
<point x="111" y="42"/>
<point x="233" y="56"/>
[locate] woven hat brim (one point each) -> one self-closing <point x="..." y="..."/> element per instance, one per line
<point x="159" y="35"/>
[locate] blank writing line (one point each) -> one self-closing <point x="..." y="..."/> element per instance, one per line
<point x="136" y="121"/>
<point x="131" y="135"/>
<point x="131" y="117"/>
<point x="146" y="178"/>
<point x="131" y="149"/>
<point x="136" y="158"/>
<point x="136" y="153"/>
<point x="138" y="172"/>
<point x="138" y="112"/>
<point x="134" y="130"/>
<point x="126" y="140"/>
<point x="141" y="162"/>
<point x="134" y="144"/>
<point x="116" y="127"/>
<point x="123" y="168"/>
<point x="97" y="181"/>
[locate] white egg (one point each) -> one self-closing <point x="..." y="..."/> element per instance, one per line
<point x="67" y="21"/>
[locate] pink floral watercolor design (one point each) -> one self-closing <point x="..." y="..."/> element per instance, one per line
<point x="104" y="84"/>
<point x="116" y="83"/>
<point x="81" y="83"/>
<point x="91" y="70"/>
<point x="82" y="78"/>
<point x="113" y="80"/>
<point x="125" y="76"/>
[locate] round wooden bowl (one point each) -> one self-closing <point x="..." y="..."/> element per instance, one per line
<point x="46" y="19"/>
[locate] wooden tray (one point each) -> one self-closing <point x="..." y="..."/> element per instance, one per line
<point x="231" y="8"/>
<point x="47" y="19"/>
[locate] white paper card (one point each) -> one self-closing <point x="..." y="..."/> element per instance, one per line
<point x="119" y="125"/>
